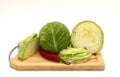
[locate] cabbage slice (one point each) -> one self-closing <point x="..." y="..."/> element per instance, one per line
<point x="28" y="47"/>
<point x="74" y="55"/>
<point x="88" y="35"/>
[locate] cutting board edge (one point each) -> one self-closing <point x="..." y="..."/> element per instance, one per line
<point x="47" y="68"/>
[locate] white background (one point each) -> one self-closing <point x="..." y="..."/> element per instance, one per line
<point x="20" y="18"/>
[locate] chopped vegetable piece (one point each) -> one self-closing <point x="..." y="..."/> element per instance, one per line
<point x="28" y="47"/>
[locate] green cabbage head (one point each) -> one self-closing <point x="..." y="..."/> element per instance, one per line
<point x="54" y="37"/>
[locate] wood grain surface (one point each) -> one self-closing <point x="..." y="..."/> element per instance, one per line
<point x="37" y="62"/>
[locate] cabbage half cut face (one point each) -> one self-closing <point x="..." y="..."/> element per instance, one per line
<point x="88" y="35"/>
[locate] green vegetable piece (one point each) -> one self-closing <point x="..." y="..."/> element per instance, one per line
<point x="74" y="55"/>
<point x="54" y="37"/>
<point x="88" y="35"/>
<point x="28" y="47"/>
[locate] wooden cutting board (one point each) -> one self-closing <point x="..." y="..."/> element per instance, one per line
<point x="37" y="62"/>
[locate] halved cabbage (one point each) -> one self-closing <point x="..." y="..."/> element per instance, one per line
<point x="88" y="35"/>
<point x="54" y="37"/>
